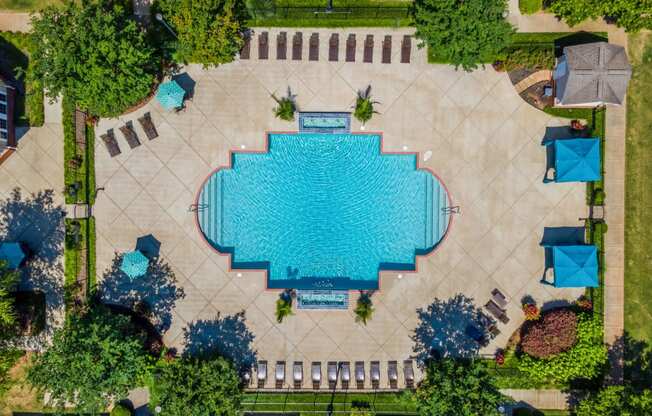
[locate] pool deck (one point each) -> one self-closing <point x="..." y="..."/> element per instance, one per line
<point x="471" y="129"/>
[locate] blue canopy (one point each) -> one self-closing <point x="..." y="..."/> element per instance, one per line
<point x="170" y="95"/>
<point x="575" y="266"/>
<point x="13" y="253"/>
<point x="577" y="160"/>
<point x="134" y="264"/>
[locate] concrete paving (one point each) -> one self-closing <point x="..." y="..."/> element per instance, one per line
<point x="486" y="147"/>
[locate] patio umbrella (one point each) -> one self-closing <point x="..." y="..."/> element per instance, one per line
<point x="575" y="266"/>
<point x="12" y="253"/>
<point x="170" y="95"/>
<point x="134" y="264"/>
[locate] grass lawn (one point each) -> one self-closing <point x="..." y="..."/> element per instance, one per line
<point x="19" y="397"/>
<point x="27" y="5"/>
<point x="638" y="198"/>
<point x="530" y="6"/>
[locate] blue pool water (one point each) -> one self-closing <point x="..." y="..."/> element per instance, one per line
<point x="323" y="211"/>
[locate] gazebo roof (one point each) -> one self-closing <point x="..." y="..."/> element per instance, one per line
<point x="575" y="266"/>
<point x="577" y="160"/>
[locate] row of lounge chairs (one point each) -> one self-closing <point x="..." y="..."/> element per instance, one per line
<point x="486" y="326"/>
<point x="129" y="134"/>
<point x="337" y="371"/>
<point x="333" y="47"/>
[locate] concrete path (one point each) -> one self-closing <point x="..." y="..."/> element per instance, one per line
<point x="15" y="21"/>
<point x="539" y="399"/>
<point x="532" y="79"/>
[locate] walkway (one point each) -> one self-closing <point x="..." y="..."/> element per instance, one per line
<point x="539" y="399"/>
<point x="14" y="21"/>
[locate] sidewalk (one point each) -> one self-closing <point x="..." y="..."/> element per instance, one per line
<point x="15" y="21"/>
<point x="539" y="399"/>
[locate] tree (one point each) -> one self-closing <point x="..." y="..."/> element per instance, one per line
<point x="616" y="401"/>
<point x="462" y="32"/>
<point x="94" y="52"/>
<point x="210" y="32"/>
<point x="364" y="308"/>
<point x="632" y="15"/>
<point x="189" y="386"/>
<point x="8" y="281"/>
<point x="95" y="358"/>
<point x="283" y="306"/>
<point x="286" y="106"/>
<point x="364" y="105"/>
<point x="457" y="387"/>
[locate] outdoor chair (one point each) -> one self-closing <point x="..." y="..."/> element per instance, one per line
<point x="281" y="46"/>
<point x="313" y="50"/>
<point x="245" y="52"/>
<point x="408" y="374"/>
<point x="316" y="375"/>
<point x="297" y="374"/>
<point x="130" y="135"/>
<point x="489" y="325"/>
<point x="279" y="374"/>
<point x="350" y="48"/>
<point x="387" y="50"/>
<point x="406" y="48"/>
<point x="359" y="374"/>
<point x="368" y="54"/>
<point x="334" y="47"/>
<point x="332" y="374"/>
<point x="261" y="373"/>
<point x="345" y="374"/>
<point x="111" y="143"/>
<point x="497" y="312"/>
<point x="374" y="374"/>
<point x="148" y="126"/>
<point x="392" y="374"/>
<point x="499" y="298"/>
<point x="263" y="46"/>
<point x="297" y="46"/>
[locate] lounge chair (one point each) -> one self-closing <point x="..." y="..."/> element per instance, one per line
<point x="316" y="375"/>
<point x="374" y="374"/>
<point x="345" y="374"/>
<point x="245" y="52"/>
<point x="496" y="311"/>
<point x="387" y="50"/>
<point x="368" y="55"/>
<point x="334" y="47"/>
<point x="408" y="374"/>
<point x="313" y="49"/>
<point x="148" y="126"/>
<point x="130" y="135"/>
<point x="111" y="143"/>
<point x="297" y="46"/>
<point x="350" y="48"/>
<point x="392" y="374"/>
<point x="263" y="46"/>
<point x="498" y="297"/>
<point x="359" y="374"/>
<point x="281" y="46"/>
<point x="297" y="374"/>
<point x="406" y="49"/>
<point x="279" y="374"/>
<point x="332" y="374"/>
<point x="261" y="373"/>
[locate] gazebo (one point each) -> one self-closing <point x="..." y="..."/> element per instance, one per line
<point x="134" y="264"/>
<point x="575" y="266"/>
<point x="577" y="160"/>
<point x="170" y="95"/>
<point x="12" y="253"/>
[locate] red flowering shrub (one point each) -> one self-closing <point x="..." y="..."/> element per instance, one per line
<point x="554" y="333"/>
<point x="584" y="303"/>
<point x="500" y="357"/>
<point x="531" y="312"/>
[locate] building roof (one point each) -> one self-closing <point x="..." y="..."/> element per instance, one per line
<point x="596" y="73"/>
<point x="577" y="160"/>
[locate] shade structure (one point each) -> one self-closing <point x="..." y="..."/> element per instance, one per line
<point x="577" y="160"/>
<point x="12" y="253"/>
<point x="575" y="266"/>
<point x="134" y="264"/>
<point x="170" y="95"/>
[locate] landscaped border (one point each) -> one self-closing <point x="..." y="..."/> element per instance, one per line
<point x="266" y="150"/>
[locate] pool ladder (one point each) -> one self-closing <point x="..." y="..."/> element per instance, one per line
<point x="451" y="210"/>
<point x="197" y="207"/>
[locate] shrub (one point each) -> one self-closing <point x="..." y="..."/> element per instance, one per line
<point x="283" y="307"/>
<point x="364" y="308"/>
<point x="121" y="410"/>
<point x="530" y="6"/>
<point x="464" y="33"/>
<point x="553" y="334"/>
<point x="616" y="401"/>
<point x="533" y="58"/>
<point x="632" y="15"/>
<point x="286" y="107"/>
<point x="531" y="312"/>
<point x="364" y="105"/>
<point x="586" y="359"/>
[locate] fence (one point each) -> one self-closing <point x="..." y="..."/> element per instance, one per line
<point x="336" y="13"/>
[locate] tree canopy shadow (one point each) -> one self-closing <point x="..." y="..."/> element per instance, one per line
<point x="153" y="295"/>
<point x="227" y="336"/>
<point x="444" y="329"/>
<point x="637" y="363"/>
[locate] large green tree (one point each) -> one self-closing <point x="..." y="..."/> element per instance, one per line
<point x="616" y="401"/>
<point x="632" y="15"/>
<point x="95" y="358"/>
<point x="458" y="387"/>
<point x="209" y="32"/>
<point x="464" y="33"/>
<point x="93" y="51"/>
<point x="194" y="387"/>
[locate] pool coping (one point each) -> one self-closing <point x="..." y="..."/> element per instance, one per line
<point x="266" y="150"/>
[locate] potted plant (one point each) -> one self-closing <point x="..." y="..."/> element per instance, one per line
<point x="364" y="106"/>
<point x="531" y="311"/>
<point x="364" y="308"/>
<point x="286" y="106"/>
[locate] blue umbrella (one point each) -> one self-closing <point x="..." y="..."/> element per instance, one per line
<point x="13" y="253"/>
<point x="134" y="264"/>
<point x="170" y="95"/>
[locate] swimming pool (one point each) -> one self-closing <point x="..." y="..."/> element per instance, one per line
<point x="323" y="211"/>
